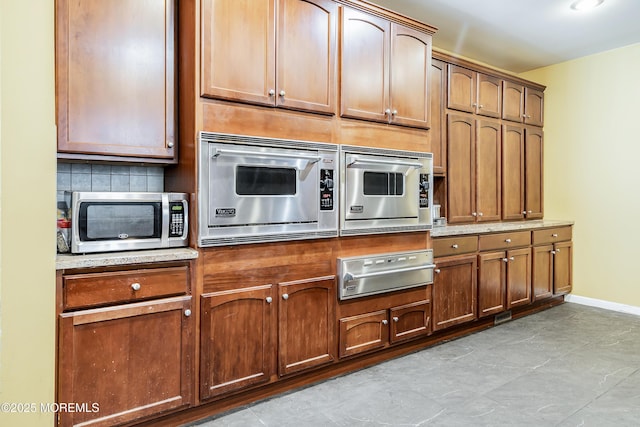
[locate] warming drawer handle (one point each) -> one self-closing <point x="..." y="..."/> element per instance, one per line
<point x="349" y="277"/>
<point x="386" y="162"/>
<point x="221" y="151"/>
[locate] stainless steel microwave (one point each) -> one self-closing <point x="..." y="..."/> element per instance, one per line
<point x="122" y="221"/>
<point x="256" y="189"/>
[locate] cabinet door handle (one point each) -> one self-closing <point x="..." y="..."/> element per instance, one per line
<point x="507" y="240"/>
<point x="474" y="214"/>
<point x="524" y="212"/>
<point x="554" y="235"/>
<point x="512" y="258"/>
<point x="395" y="319"/>
<point x="437" y="271"/>
<point x="135" y="286"/>
<point x="170" y="144"/>
<point x="285" y="296"/>
<point x="187" y="313"/>
<point x="505" y="260"/>
<point x="394" y="112"/>
<point x="480" y="214"/>
<point x="385" y="322"/>
<point x="474" y="105"/>
<point x="282" y="93"/>
<point x="529" y="212"/>
<point x="454" y="246"/>
<point x="480" y="106"/>
<point x="553" y="252"/>
<point x="269" y="300"/>
<point x="272" y="92"/>
<point x="557" y="251"/>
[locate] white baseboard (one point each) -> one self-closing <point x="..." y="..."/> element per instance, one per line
<point x="623" y="308"/>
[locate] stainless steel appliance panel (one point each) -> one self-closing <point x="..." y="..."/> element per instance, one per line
<point x="376" y="274"/>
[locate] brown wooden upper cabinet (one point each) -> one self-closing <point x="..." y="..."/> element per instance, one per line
<point x="474" y="92"/>
<point x="522" y="104"/>
<point x="437" y="85"/>
<point x="271" y="52"/>
<point x="384" y="70"/>
<point x="115" y="79"/>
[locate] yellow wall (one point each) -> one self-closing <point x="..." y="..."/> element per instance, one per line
<point x="592" y="167"/>
<point x="27" y="209"/>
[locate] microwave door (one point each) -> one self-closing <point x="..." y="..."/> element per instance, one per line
<point x="381" y="188"/>
<point x="256" y="186"/>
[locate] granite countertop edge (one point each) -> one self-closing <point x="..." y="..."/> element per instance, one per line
<point x="68" y="261"/>
<point x="495" y="227"/>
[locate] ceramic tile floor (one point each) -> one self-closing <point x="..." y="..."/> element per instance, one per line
<point x="571" y="365"/>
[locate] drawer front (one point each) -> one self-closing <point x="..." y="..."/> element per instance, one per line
<point x="86" y="290"/>
<point x="551" y="235"/>
<point x="454" y="245"/>
<point x="491" y="242"/>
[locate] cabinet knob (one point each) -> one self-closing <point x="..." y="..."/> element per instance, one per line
<point x="269" y="300"/>
<point x="170" y="144"/>
<point x="474" y="105"/>
<point x="394" y="112"/>
<point x="437" y="271"/>
<point x="507" y="240"/>
<point x="480" y="106"/>
<point x="272" y="92"/>
<point x="474" y="214"/>
<point x="282" y="93"/>
<point x="387" y="112"/>
<point x="554" y="235"/>
<point x="285" y="296"/>
<point x="557" y="251"/>
<point x="395" y="319"/>
<point x="512" y="258"/>
<point x="480" y="214"/>
<point x="553" y="252"/>
<point x="505" y="260"/>
<point x="187" y="313"/>
<point x="135" y="286"/>
<point x="529" y="212"/>
<point x="455" y="246"/>
<point x="385" y="322"/>
<point x="524" y="212"/>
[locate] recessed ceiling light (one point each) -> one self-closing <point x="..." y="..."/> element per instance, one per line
<point x="585" y="4"/>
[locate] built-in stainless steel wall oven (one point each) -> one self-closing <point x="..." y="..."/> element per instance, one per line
<point x="384" y="190"/>
<point x="255" y="189"/>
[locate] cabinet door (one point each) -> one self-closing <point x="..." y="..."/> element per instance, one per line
<point x="512" y="101"/>
<point x="542" y="278"/>
<point x="518" y="277"/>
<point x="492" y="281"/>
<point x="489" y="99"/>
<point x="409" y="71"/>
<point x="533" y="107"/>
<point x="461" y="142"/>
<point x="238" y="50"/>
<point x="365" y="45"/>
<point x="306" y="317"/>
<point x="364" y="332"/>
<point x="115" y="78"/>
<point x="562" y="267"/>
<point x="454" y="291"/>
<point x="306" y="54"/>
<point x="410" y="321"/>
<point x="513" y="174"/>
<point x="461" y="89"/>
<point x="534" y="186"/>
<point x="437" y="131"/>
<point x="488" y="183"/>
<point x="133" y="360"/>
<point x="236" y="340"/>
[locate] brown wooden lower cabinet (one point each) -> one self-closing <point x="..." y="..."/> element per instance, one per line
<point x="132" y="361"/>
<point x="562" y="267"/>
<point x="518" y="277"/>
<point x="542" y="272"/>
<point x="238" y="330"/>
<point x="492" y="283"/>
<point x="552" y="263"/>
<point x="454" y="291"/>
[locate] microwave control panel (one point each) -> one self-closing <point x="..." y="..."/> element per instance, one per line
<point x="176" y="219"/>
<point x="326" y="190"/>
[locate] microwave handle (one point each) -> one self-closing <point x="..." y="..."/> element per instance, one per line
<point x="349" y="277"/>
<point x="386" y="162"/>
<point x="221" y="151"/>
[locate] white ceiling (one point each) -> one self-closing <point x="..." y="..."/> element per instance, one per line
<point x="521" y="35"/>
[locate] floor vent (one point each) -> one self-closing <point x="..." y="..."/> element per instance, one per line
<point x="502" y="317"/>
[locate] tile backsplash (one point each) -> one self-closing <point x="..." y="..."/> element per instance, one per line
<point x="99" y="177"/>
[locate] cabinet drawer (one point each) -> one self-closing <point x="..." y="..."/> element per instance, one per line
<point x="454" y="245"/>
<point x="85" y="290"/>
<point x="551" y="235"/>
<point x="491" y="242"/>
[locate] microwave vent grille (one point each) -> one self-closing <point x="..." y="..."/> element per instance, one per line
<point x="385" y="151"/>
<point x="224" y="241"/>
<point x="267" y="142"/>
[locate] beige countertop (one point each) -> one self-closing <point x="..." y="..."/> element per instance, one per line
<point x="495" y="227"/>
<point x="68" y="261"/>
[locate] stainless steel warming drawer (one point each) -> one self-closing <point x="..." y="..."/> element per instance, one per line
<point x="379" y="273"/>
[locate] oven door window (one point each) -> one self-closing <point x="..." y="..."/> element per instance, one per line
<point x="120" y="221"/>
<point x="265" y="181"/>
<point x="383" y="184"/>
